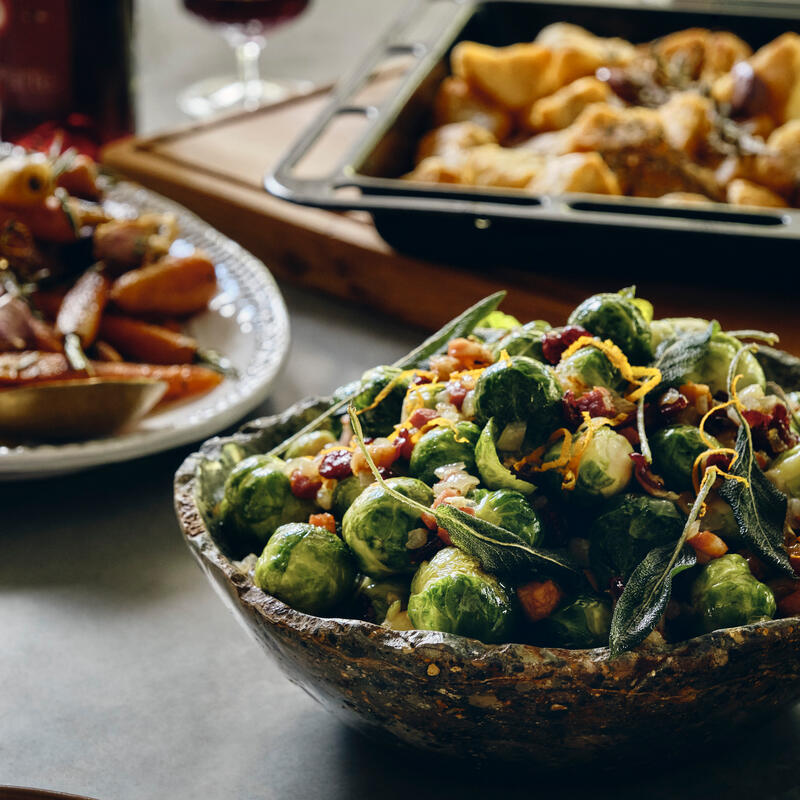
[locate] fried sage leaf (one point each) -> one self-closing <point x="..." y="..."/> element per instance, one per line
<point x="780" y="367"/>
<point x="759" y="508"/>
<point x="646" y="595"/>
<point x="678" y="355"/>
<point x="500" y="551"/>
<point x="462" y="325"/>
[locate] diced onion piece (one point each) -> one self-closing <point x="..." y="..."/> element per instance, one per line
<point x="510" y="440"/>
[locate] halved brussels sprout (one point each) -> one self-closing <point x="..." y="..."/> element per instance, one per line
<point x="344" y="494"/>
<point x="257" y="499"/>
<point x="376" y="526"/>
<point x="380" y="421"/>
<point x="451" y="593"/>
<point x="674" y="452"/>
<point x="785" y="472"/>
<point x="309" y="444"/>
<point x="587" y="369"/>
<point x="381" y="595"/>
<point x="307" y="567"/>
<point x="510" y="510"/>
<point x="628" y="528"/>
<point x="612" y="316"/>
<point x="493" y="474"/>
<point x="519" y="389"/>
<point x="523" y="341"/>
<point x="725" y="594"/>
<point x="582" y="623"/>
<point x="440" y="446"/>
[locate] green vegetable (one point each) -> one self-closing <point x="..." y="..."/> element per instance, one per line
<point x="612" y="316"/>
<point x="451" y="593"/>
<point x="380" y="420"/>
<point x="309" y="444"/>
<point x="257" y="500"/>
<point x="382" y="594"/>
<point x="344" y="494"/>
<point x="377" y="524"/>
<point x="719" y="519"/>
<point x="426" y="392"/>
<point x="441" y="446"/>
<point x="493" y="474"/>
<point x="784" y="472"/>
<point x="523" y="341"/>
<point x="498" y="319"/>
<point x="582" y="623"/>
<point x="674" y="452"/>
<point x="629" y="527"/>
<point x="605" y="468"/>
<point x="587" y="369"/>
<point x="508" y="509"/>
<point x="780" y="367"/>
<point x="307" y="567"/>
<point x="519" y="389"/>
<point x="726" y="594"/>
<point x="670" y="327"/>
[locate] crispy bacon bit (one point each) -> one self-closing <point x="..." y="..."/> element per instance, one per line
<point x="443" y="366"/>
<point x="708" y="546"/>
<point x="671" y="404"/>
<point x="598" y="402"/>
<point x="336" y="465"/>
<point x="772" y="431"/>
<point x="403" y="444"/>
<point x="539" y="599"/>
<point x="326" y="521"/>
<point x="456" y="392"/>
<point x="648" y="480"/>
<point x="557" y="340"/>
<point x="469" y="354"/>
<point x="422" y="416"/>
<point x="445" y="496"/>
<point x="304" y="487"/>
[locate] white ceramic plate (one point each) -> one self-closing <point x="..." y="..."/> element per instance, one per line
<point x="246" y="322"/>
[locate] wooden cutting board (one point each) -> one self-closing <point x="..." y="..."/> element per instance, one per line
<point x="216" y="170"/>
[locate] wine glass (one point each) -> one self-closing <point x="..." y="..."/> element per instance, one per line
<point x="244" y="24"/>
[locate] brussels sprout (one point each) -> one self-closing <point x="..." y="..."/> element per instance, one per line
<point x="725" y="594"/>
<point x="492" y="472"/>
<point x="605" y="468"/>
<point x="713" y="367"/>
<point x="309" y="444"/>
<point x="674" y="452"/>
<point x="376" y="526"/>
<point x="426" y="393"/>
<point x="670" y="327"/>
<point x="612" y="316"/>
<point x="344" y="494"/>
<point x="257" y="500"/>
<point x="499" y="320"/>
<point x="451" y="593"/>
<point x="380" y="420"/>
<point x="519" y="389"/>
<point x="719" y="518"/>
<point x="523" y="341"/>
<point x="582" y="623"/>
<point x="586" y="369"/>
<point x="509" y="510"/>
<point x="785" y="472"/>
<point x="440" y="446"/>
<point x="381" y="595"/>
<point x="629" y="527"/>
<point x="307" y="567"/>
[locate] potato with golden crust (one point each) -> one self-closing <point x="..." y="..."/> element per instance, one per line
<point x="566" y="36"/>
<point x="686" y="118"/>
<point x="697" y="54"/>
<point x="457" y="101"/>
<point x="453" y="137"/>
<point x="560" y="109"/>
<point x="575" y="172"/>
<point x="741" y="192"/>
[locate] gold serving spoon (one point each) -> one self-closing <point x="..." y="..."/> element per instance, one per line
<point x="85" y="408"/>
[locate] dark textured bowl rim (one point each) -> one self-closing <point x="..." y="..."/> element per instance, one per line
<point x="199" y="539"/>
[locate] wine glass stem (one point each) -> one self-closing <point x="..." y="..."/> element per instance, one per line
<point x="247" y="55"/>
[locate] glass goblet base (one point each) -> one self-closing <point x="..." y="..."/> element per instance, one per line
<point x="212" y="96"/>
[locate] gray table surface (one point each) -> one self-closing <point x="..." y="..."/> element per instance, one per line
<point x="123" y="677"/>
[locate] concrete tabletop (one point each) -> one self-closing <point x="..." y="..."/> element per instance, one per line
<point x="123" y="677"/>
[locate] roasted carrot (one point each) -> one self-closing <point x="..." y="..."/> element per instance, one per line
<point x="80" y="178"/>
<point x="29" y="367"/>
<point x="49" y="221"/>
<point x="171" y="285"/>
<point x="142" y="341"/>
<point x="83" y="306"/>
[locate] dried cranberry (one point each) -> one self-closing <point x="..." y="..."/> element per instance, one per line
<point x="557" y="340"/>
<point x="597" y="403"/>
<point x="304" y="487"/>
<point x="422" y="415"/>
<point x="771" y="432"/>
<point x="720" y="460"/>
<point x="672" y="402"/>
<point x="385" y="472"/>
<point x="403" y="444"/>
<point x="421" y="379"/>
<point x="336" y="464"/>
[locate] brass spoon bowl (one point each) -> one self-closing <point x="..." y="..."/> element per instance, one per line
<point x="84" y="408"/>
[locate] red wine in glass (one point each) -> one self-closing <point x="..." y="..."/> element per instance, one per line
<point x="244" y="24"/>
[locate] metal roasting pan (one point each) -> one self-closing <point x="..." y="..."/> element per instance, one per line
<point x="482" y="227"/>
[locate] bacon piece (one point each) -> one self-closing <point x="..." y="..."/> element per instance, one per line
<point x="327" y="521"/>
<point x="456" y="391"/>
<point x="403" y="444"/>
<point x="421" y="416"/>
<point x="557" y="340"/>
<point x="648" y="480"/>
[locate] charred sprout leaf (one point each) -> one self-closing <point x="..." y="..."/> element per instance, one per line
<point x="759" y="508"/>
<point x="500" y="551"/>
<point x="462" y="325"/>
<point x="648" y="589"/>
<point x="780" y="367"/>
<point x="679" y="355"/>
<point x="646" y="596"/>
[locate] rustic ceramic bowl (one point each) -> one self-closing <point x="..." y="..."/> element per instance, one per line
<point x="547" y="707"/>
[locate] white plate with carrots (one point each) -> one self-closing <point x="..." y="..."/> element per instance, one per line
<point x="243" y="322"/>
